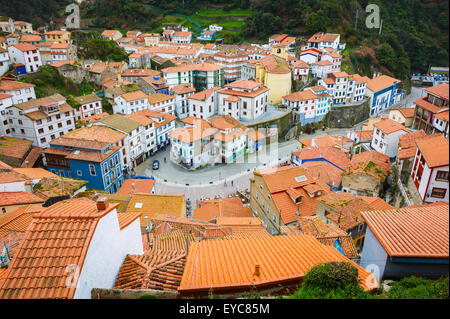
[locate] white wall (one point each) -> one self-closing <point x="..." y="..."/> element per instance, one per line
<point x="107" y="251"/>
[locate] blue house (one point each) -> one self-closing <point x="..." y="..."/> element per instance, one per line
<point x="96" y="162"/>
<point x="153" y="84"/>
<point x="207" y="35"/>
<point x="383" y="92"/>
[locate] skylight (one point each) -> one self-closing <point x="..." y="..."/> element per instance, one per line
<point x="138" y="205"/>
<point x="300" y="178"/>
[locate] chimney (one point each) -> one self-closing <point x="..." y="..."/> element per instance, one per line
<point x="132" y="189"/>
<point x="102" y="203"/>
<point x="257" y="270"/>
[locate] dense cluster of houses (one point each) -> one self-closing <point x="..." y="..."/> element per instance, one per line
<point x="328" y="204"/>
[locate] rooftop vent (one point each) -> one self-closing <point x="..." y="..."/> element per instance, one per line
<point x="138" y="205"/>
<point x="102" y="203"/>
<point x="300" y="178"/>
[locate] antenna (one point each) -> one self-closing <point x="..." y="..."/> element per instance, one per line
<point x="356" y="19"/>
<point x="381" y="26"/>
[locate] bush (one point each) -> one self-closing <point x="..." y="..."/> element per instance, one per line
<point x="419" y="288"/>
<point x="333" y="280"/>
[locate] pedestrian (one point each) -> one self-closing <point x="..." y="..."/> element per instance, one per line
<point x="231" y="183"/>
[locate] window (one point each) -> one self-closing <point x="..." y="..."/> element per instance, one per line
<point x="92" y="170"/>
<point x="43" y="140"/>
<point x="438" y="192"/>
<point x="79" y="173"/>
<point x="442" y="176"/>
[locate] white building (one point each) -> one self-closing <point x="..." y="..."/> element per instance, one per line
<point x="112" y="35"/>
<point x="215" y="27"/>
<point x="23" y="27"/>
<point x="61" y="52"/>
<point x="135" y="140"/>
<point x="344" y="88"/>
<point x="232" y="61"/>
<point x="4" y="61"/>
<point x="41" y="120"/>
<point x="27" y="55"/>
<point x="147" y="131"/>
<point x="164" y="123"/>
<point x="182" y="37"/>
<point x="130" y="102"/>
<point x="230" y="140"/>
<point x="441" y="121"/>
<point x="20" y="91"/>
<point x="203" y="104"/>
<point x="300" y="70"/>
<point x="243" y="99"/>
<point x="321" y="69"/>
<point x="430" y="172"/>
<point x="5" y="102"/>
<point x="383" y="92"/>
<point x="90" y="105"/>
<point x="311" y="55"/>
<point x="386" y="134"/>
<point x="324" y="40"/>
<point x="181" y="93"/>
<point x="107" y="238"/>
<point x="336" y="60"/>
<point x="6" y="24"/>
<point x="162" y="103"/>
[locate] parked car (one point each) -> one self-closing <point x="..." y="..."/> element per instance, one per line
<point x="155" y="165"/>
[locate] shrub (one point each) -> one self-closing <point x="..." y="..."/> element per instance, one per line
<point x="333" y="280"/>
<point x="419" y="288"/>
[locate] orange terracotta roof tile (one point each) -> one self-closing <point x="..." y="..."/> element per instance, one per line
<point x="371" y="163"/>
<point x="301" y="96"/>
<point x="443" y="116"/>
<point x="314" y="226"/>
<point x="323" y="37"/>
<point x="35" y="173"/>
<point x="191" y="134"/>
<point x="412" y="232"/>
<point x="275" y="64"/>
<point x="24" y="47"/>
<point x="441" y="90"/>
<point x="435" y="149"/>
<point x="338" y="140"/>
<point x="408" y="145"/>
<point x="324" y="172"/>
<point x="229" y="265"/>
<point x="423" y="103"/>
<point x="14" y="147"/>
<point x="183" y="89"/>
<point x="225" y="207"/>
<point x="346" y="243"/>
<point x="133" y="186"/>
<point x="331" y="154"/>
<point x="152" y="205"/>
<point x="389" y="126"/>
<point x="8" y="85"/>
<point x="18" y="198"/>
<point x="39" y="268"/>
<point x="380" y="83"/>
<point x="195" y="121"/>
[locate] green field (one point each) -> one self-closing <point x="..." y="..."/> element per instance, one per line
<point x="221" y="13"/>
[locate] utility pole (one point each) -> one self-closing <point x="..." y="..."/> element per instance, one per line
<point x="356" y="20"/>
<point x="381" y="26"/>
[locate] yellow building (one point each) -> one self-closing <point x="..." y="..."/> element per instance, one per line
<point x="275" y="73"/>
<point x="58" y="36"/>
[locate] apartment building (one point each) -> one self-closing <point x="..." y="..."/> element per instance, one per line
<point x="199" y="76"/>
<point x="89" y="105"/>
<point x="61" y="52"/>
<point x="151" y="39"/>
<point x="23" y="27"/>
<point x="147" y="131"/>
<point x="41" y="120"/>
<point x="162" y="103"/>
<point x="132" y="75"/>
<point x="27" y="55"/>
<point x="181" y="93"/>
<point x="300" y="70"/>
<point x="230" y="139"/>
<point x="232" y="61"/>
<point x="130" y="102"/>
<point x="182" y="37"/>
<point x="113" y="35"/>
<point x="5" y="102"/>
<point x="164" y="123"/>
<point x="383" y="92"/>
<point x="90" y="160"/>
<point x="243" y="99"/>
<point x="344" y="88"/>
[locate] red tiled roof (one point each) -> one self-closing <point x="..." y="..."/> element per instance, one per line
<point x="440" y="90"/>
<point x="18" y="198"/>
<point x="412" y="232"/>
<point x="435" y="149"/>
<point x="58" y="237"/>
<point x="131" y="186"/>
<point x="389" y="126"/>
<point x="423" y="103"/>
<point x="380" y="83"/>
<point x="242" y="264"/>
<point x="371" y="163"/>
<point x="332" y="154"/>
<point x="408" y="145"/>
<point x="226" y="207"/>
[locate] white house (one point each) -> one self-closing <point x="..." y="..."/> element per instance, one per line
<point x="311" y="55"/>
<point x="243" y="99"/>
<point x="6" y="24"/>
<point x="19" y="91"/>
<point x="215" y="27"/>
<point x="324" y="40"/>
<point x="300" y="70"/>
<point x="41" y="120"/>
<point x="147" y="131"/>
<point x="203" y="104"/>
<point x="181" y="93"/>
<point x="112" y="35"/>
<point x="98" y="250"/>
<point x="90" y="105"/>
<point x="27" y="55"/>
<point x="230" y="140"/>
<point x="430" y="172"/>
<point x="199" y="76"/>
<point x="130" y="102"/>
<point x="23" y="27"/>
<point x="4" y="61"/>
<point x="335" y="58"/>
<point x="322" y="68"/>
<point x="386" y="134"/>
<point x="440" y="122"/>
<point x="164" y="123"/>
<point x="182" y="37"/>
<point x="383" y="92"/>
<point x="344" y="88"/>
